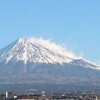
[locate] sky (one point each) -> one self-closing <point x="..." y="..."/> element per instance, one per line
<point x="74" y="23"/>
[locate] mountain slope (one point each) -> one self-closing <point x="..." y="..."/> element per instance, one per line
<point x="26" y="50"/>
<point x="41" y="61"/>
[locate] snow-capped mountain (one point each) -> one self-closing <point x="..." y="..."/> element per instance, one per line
<point x="42" y="61"/>
<point x="33" y="51"/>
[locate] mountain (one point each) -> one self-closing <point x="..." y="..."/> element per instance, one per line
<point x="41" y="61"/>
<point x="27" y="50"/>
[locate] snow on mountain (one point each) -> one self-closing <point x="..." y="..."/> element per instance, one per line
<point x="35" y="50"/>
<point x="38" y="60"/>
<point x="40" y="51"/>
<point x="84" y="63"/>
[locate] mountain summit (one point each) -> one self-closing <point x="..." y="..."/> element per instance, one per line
<point x="34" y="50"/>
<point x="42" y="61"/>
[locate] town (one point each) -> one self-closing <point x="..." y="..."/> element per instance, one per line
<point x="50" y="96"/>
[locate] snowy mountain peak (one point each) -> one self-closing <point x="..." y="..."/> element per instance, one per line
<point x="38" y="60"/>
<point x="37" y="51"/>
<point x="34" y="50"/>
<point x="21" y="40"/>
